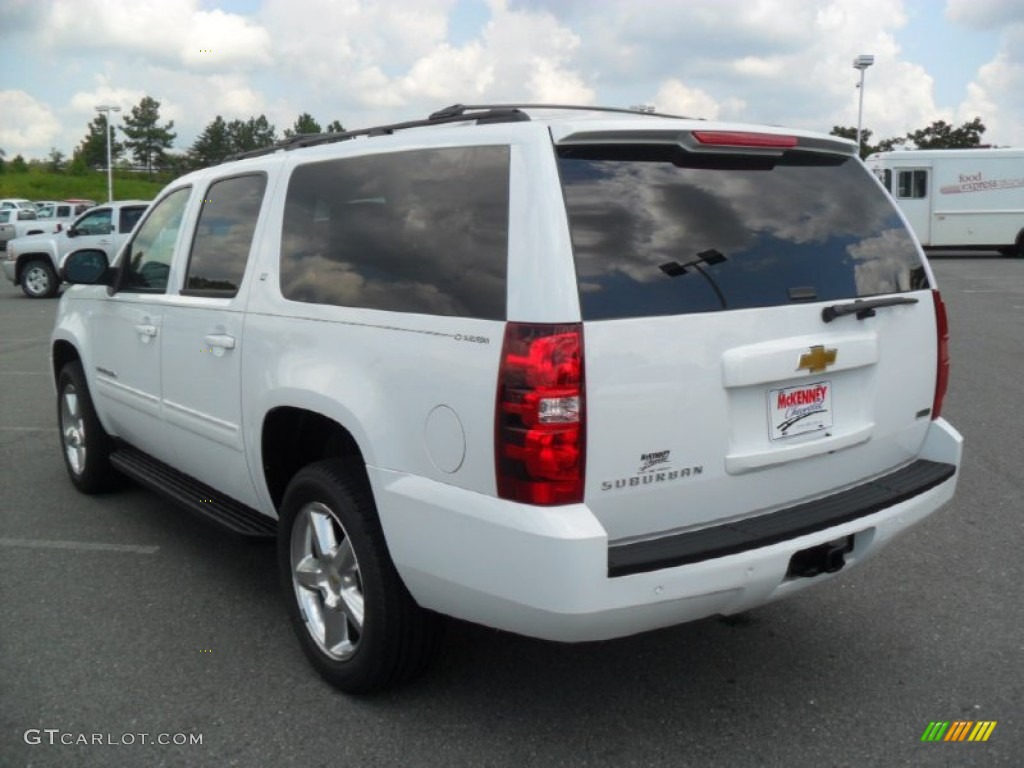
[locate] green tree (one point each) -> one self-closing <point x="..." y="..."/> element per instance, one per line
<point x="146" y="138"/>
<point x="213" y="145"/>
<point x="888" y="145"/>
<point x="942" y="135"/>
<point x="254" y="133"/>
<point x="304" y="124"/>
<point x="93" y="148"/>
<point x="18" y="165"/>
<point x="78" y="166"/>
<point x="179" y="163"/>
<point x="938" y="135"/>
<point x="851" y="133"/>
<point x="334" y="126"/>
<point x="56" y="160"/>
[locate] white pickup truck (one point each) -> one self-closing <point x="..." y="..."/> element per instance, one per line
<point x="32" y="261"/>
<point x="47" y="216"/>
<point x="18" y="222"/>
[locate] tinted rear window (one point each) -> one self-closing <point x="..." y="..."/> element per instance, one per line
<point x="658" y="231"/>
<point x="422" y="231"/>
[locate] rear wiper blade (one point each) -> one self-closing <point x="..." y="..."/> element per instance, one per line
<point x="863" y="308"/>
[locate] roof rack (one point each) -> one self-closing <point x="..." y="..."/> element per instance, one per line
<point x="461" y="109"/>
<point x="456" y="113"/>
<point x="489" y="115"/>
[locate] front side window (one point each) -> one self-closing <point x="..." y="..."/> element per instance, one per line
<point x="147" y="259"/>
<point x="94" y="223"/>
<point x="422" y="231"/>
<point x="659" y="231"/>
<point x="223" y="238"/>
<point x="913" y="184"/>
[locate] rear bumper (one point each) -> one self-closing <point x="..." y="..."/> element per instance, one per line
<point x="544" y="572"/>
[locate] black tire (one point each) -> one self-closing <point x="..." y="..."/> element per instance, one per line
<point x="38" y="280"/>
<point x="85" y="445"/>
<point x="395" y="639"/>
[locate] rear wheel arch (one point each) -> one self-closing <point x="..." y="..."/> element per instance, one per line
<point x="292" y="438"/>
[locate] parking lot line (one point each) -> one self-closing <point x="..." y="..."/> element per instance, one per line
<point x="82" y="546"/>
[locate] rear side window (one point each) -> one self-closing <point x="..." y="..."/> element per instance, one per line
<point x="659" y="231"/>
<point x="223" y="237"/>
<point x="422" y="231"/>
<point x="130" y="217"/>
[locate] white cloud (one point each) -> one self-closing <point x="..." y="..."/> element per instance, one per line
<point x="986" y="13"/>
<point x="675" y="98"/>
<point x="27" y="124"/>
<point x="785" y="62"/>
<point x="997" y="93"/>
<point x="166" y="31"/>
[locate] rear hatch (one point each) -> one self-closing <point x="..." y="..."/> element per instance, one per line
<point x="726" y="374"/>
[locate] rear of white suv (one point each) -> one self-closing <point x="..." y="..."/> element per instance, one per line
<point x="575" y="378"/>
<point x="744" y="393"/>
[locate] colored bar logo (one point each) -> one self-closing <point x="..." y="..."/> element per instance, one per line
<point x="959" y="730"/>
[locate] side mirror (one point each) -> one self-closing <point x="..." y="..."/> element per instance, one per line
<point x="72" y="232"/>
<point x="88" y="266"/>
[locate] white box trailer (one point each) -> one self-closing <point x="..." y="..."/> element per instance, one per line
<point x="958" y="198"/>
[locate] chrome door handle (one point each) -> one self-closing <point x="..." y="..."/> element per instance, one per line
<point x="220" y="340"/>
<point x="145" y="329"/>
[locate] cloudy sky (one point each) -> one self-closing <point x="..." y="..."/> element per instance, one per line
<point x="785" y="62"/>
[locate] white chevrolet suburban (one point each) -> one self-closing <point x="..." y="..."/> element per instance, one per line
<point x="572" y="373"/>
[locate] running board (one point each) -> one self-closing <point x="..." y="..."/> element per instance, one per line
<point x="195" y="496"/>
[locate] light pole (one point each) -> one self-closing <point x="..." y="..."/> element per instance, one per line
<point x="862" y="62"/>
<point x="106" y="110"/>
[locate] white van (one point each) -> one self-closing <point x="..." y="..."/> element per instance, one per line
<point x="958" y="198"/>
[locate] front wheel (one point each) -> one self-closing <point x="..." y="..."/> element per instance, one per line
<point x="356" y="621"/>
<point x="86" y="445"/>
<point x="38" y="280"/>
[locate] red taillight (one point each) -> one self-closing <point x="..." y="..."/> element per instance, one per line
<point x="744" y="139"/>
<point x="942" y="371"/>
<point x="539" y="448"/>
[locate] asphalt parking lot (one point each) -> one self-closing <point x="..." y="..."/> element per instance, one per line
<point x="122" y="616"/>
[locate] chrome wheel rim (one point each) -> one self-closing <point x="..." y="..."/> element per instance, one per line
<point x="72" y="428"/>
<point x="327" y="582"/>
<point x="37" y="280"/>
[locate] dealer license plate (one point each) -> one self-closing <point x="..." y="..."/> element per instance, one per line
<point x="799" y="410"/>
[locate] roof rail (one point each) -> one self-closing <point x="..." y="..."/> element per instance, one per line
<point x="461" y="109"/>
<point x="496" y="114"/>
